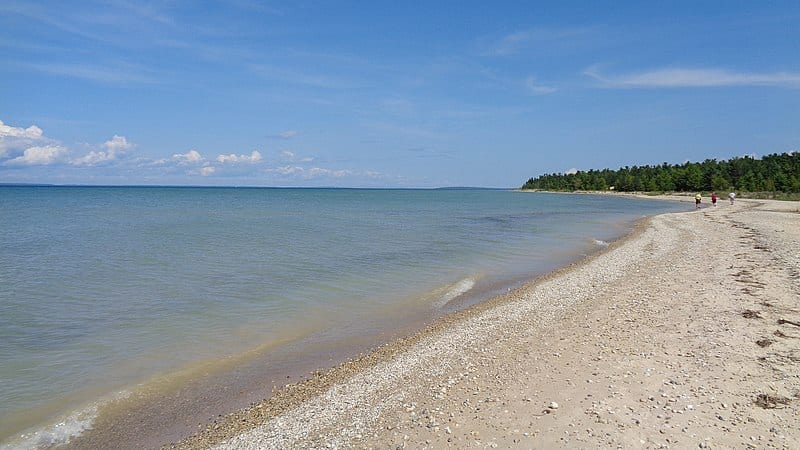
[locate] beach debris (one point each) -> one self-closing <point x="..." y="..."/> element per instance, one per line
<point x="750" y="314"/>
<point x="768" y="401"/>
<point x="783" y="321"/>
<point x="553" y="405"/>
<point x="764" y="342"/>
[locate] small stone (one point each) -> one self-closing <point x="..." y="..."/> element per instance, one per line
<point x="553" y="405"/>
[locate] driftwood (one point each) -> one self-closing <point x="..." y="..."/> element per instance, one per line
<point x="783" y="321"/>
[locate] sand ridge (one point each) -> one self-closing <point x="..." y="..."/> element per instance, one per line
<point x="669" y="339"/>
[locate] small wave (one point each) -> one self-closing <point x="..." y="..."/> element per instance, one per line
<point x="600" y="243"/>
<point x="453" y="291"/>
<point x="69" y="426"/>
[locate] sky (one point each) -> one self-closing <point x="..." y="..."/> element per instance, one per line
<point x="386" y="93"/>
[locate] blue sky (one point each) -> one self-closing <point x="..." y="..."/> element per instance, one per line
<point x="387" y="94"/>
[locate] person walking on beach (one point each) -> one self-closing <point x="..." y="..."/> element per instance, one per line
<point x="714" y="198"/>
<point x="697" y="199"/>
<point x="732" y="196"/>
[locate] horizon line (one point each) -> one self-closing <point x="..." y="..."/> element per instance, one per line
<point x="78" y="185"/>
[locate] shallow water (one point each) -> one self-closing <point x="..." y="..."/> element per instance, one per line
<point x="104" y="288"/>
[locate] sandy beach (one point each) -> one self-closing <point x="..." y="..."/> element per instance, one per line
<point x="685" y="334"/>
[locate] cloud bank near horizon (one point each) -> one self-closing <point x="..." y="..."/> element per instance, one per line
<point x="30" y="147"/>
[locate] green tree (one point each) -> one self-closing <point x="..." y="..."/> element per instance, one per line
<point x="775" y="172"/>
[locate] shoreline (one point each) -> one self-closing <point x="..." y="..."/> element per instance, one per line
<point x="294" y="395"/>
<point x="167" y="407"/>
<point x="404" y="392"/>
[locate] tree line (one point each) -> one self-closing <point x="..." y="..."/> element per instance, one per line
<point x="771" y="173"/>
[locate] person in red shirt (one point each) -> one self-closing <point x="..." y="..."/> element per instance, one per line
<point x="714" y="199"/>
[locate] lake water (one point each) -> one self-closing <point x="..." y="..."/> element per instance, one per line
<point x="105" y="289"/>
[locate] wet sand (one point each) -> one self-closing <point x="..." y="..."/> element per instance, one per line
<point x="686" y="334"/>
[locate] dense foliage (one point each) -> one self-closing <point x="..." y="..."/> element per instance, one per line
<point x="771" y="173"/>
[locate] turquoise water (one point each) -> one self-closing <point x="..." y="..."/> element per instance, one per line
<point x="103" y="288"/>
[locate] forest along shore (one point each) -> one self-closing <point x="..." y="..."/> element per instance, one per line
<point x="686" y="334"/>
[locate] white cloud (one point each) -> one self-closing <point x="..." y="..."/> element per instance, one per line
<point x="678" y="77"/>
<point x="199" y="164"/>
<point x="146" y="162"/>
<point x="254" y="157"/>
<point x="93" y="158"/>
<point x="288" y="170"/>
<point x="32" y="132"/>
<point x="538" y="89"/>
<point x="39" y="156"/>
<point x="113" y="148"/>
<point x="190" y="157"/>
<point x="13" y="140"/>
<point x="317" y="172"/>
<point x="571" y="171"/>
<point x="291" y="157"/>
<point x="29" y="146"/>
<point x="118" y="144"/>
<point x="314" y="172"/>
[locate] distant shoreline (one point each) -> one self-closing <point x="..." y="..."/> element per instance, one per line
<point x="780" y="196"/>
<point x="638" y="194"/>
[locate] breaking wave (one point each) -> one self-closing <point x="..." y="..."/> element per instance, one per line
<point x="62" y="431"/>
<point x="449" y="293"/>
